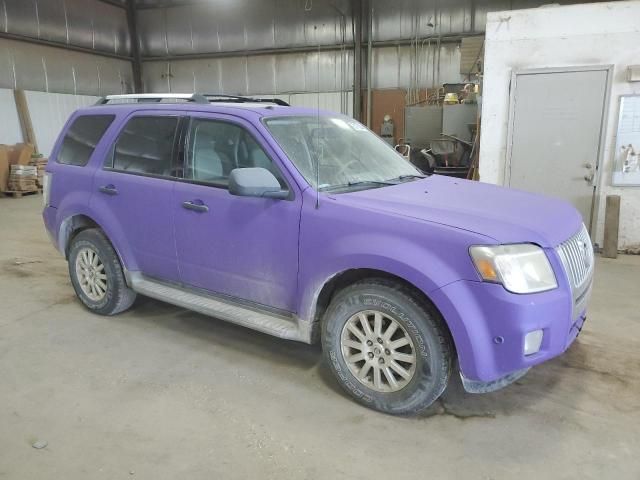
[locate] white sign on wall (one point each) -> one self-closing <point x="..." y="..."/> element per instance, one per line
<point x="627" y="153"/>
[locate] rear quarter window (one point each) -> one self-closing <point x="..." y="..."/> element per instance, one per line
<point x="82" y="137"/>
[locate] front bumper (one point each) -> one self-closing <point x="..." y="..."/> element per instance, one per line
<point x="489" y="325"/>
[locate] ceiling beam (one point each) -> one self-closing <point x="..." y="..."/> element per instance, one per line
<point x="136" y="63"/>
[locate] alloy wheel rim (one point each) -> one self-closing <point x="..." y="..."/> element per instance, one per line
<point x="90" y="274"/>
<point x="378" y="351"/>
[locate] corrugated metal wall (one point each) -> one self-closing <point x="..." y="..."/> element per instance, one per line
<point x="92" y="25"/>
<point x="48" y="69"/>
<point x="176" y="36"/>
<point x="172" y="30"/>
<point x="84" y="23"/>
<point x="258" y="74"/>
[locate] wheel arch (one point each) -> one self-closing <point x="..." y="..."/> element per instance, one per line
<point x="350" y="276"/>
<point x="73" y="225"/>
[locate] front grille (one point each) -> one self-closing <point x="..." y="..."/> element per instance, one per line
<point x="577" y="258"/>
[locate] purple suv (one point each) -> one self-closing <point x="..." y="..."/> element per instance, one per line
<point x="306" y="226"/>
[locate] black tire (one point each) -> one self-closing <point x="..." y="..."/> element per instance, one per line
<point x="118" y="297"/>
<point x="423" y="324"/>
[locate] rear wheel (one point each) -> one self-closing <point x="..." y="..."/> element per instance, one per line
<point x="387" y="349"/>
<point x="96" y="274"/>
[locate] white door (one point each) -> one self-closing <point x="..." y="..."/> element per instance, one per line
<point x="556" y="123"/>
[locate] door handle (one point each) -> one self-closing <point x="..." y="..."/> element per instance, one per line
<point x="109" y="189"/>
<point x="196" y="207"/>
<point x="589" y="177"/>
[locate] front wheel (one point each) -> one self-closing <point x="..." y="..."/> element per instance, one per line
<point x="388" y="350"/>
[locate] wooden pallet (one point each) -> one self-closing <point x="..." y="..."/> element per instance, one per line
<point x="20" y="193"/>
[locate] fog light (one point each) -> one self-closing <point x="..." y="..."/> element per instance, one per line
<point x="532" y="342"/>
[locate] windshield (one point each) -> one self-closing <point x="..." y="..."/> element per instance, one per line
<point x="333" y="153"/>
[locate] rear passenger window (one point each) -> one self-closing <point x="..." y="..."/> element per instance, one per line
<point x="145" y="145"/>
<point x="82" y="137"/>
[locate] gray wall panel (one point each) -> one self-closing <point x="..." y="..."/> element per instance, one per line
<point x="290" y="73"/>
<point x="234" y="75"/>
<point x="203" y="30"/>
<point x="261" y="70"/>
<point x="299" y="72"/>
<point x="177" y="22"/>
<point x="220" y="25"/>
<point x="110" y="31"/>
<point x="155" y="77"/>
<point x="83" y="23"/>
<point x="152" y="30"/>
<point x="51" y="20"/>
<point x="52" y="69"/>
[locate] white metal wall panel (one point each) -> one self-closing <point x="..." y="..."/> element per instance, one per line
<point x="261" y="74"/>
<point x="330" y="101"/>
<point x="10" y="132"/>
<point x="393" y="67"/>
<point x="268" y="74"/>
<point x="234" y="79"/>
<point x="49" y="112"/>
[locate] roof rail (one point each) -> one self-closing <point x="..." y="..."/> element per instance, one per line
<point x="153" y="98"/>
<point x="218" y="97"/>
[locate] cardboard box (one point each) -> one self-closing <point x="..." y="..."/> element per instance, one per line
<point x="20" y="154"/>
<point x="4" y="167"/>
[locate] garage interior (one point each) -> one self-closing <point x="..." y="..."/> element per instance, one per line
<point x="519" y="93"/>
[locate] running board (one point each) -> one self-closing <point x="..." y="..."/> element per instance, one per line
<point x="290" y="328"/>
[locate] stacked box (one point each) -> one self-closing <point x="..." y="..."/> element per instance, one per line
<point x="23" y="178"/>
<point x="40" y="163"/>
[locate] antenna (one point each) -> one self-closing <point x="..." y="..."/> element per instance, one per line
<point x="318" y="157"/>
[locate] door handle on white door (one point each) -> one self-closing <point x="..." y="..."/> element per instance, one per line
<point x="589" y="177"/>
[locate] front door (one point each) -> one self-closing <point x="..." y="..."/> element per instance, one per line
<point x="133" y="191"/>
<point x="556" y="124"/>
<point x="242" y="247"/>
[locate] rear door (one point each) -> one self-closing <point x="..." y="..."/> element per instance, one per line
<point x="134" y="191"/>
<point x="241" y="247"/>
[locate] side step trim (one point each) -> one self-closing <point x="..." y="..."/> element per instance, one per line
<point x="290" y="328"/>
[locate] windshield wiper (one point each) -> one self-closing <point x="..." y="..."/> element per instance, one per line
<point x="358" y="183"/>
<point x="372" y="182"/>
<point x="406" y="177"/>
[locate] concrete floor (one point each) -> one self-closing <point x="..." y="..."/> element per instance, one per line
<point x="160" y="392"/>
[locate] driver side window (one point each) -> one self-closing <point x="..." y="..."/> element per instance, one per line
<point x="215" y="148"/>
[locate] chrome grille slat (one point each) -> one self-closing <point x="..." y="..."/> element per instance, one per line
<point x="577" y="258"/>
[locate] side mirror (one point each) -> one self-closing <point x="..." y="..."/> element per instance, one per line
<point x="255" y="182"/>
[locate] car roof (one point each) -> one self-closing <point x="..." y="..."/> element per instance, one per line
<point x="246" y="110"/>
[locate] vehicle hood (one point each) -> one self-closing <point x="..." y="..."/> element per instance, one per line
<point x="503" y="214"/>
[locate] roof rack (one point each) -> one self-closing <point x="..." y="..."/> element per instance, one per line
<point x="218" y="97"/>
<point x="153" y="98"/>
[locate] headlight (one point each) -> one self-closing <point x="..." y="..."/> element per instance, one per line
<point x="522" y="268"/>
